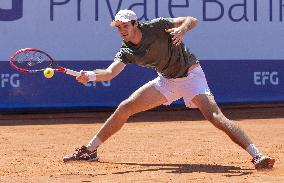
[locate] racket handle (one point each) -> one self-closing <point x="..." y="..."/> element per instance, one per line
<point x="72" y="73"/>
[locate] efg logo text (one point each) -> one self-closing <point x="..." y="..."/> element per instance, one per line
<point x="266" y="78"/>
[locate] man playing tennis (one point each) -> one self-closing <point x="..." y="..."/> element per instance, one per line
<point x="157" y="44"/>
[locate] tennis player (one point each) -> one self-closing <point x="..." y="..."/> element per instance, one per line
<point x="157" y="44"/>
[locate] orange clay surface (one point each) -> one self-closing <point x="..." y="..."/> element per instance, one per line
<point x="154" y="146"/>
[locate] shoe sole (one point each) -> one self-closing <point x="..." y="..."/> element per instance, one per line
<point x="267" y="163"/>
<point x="94" y="159"/>
<point x="66" y="159"/>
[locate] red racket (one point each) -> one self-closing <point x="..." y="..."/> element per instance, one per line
<point x="32" y="60"/>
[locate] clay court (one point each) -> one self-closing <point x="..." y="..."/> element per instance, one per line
<point x="155" y="146"/>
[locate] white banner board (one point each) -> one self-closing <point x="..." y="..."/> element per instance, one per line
<point x="79" y="29"/>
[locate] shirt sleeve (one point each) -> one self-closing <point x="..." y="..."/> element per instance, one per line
<point x="120" y="56"/>
<point x="162" y="23"/>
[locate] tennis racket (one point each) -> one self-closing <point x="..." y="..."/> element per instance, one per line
<point x="32" y="60"/>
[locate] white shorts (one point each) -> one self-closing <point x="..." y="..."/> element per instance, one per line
<point x="187" y="88"/>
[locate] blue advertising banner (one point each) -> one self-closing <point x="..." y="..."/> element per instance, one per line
<point x="34" y="91"/>
<point x="246" y="81"/>
<point x="236" y="82"/>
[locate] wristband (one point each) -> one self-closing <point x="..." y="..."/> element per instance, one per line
<point x="91" y="75"/>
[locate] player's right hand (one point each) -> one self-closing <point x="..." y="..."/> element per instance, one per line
<point x="83" y="78"/>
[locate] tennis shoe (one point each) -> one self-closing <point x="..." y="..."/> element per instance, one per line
<point x="263" y="162"/>
<point x="82" y="154"/>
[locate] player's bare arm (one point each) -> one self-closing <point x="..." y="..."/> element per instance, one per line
<point x="181" y="26"/>
<point x="101" y="74"/>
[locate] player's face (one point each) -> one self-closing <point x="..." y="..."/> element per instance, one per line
<point x="126" y="30"/>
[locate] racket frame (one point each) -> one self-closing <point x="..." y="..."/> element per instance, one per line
<point x="53" y="63"/>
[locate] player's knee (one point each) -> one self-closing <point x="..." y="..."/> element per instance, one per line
<point x="125" y="109"/>
<point x="212" y="117"/>
<point x="224" y="123"/>
<point x="217" y="119"/>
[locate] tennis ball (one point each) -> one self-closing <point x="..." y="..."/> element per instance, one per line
<point x="48" y="72"/>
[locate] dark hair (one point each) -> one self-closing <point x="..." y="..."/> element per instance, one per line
<point x="134" y="21"/>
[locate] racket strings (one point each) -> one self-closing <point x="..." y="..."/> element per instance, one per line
<point x="32" y="60"/>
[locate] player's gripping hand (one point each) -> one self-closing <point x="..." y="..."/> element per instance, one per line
<point x="177" y="35"/>
<point x="86" y="76"/>
<point x="83" y="77"/>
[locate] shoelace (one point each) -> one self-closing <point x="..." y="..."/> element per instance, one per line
<point x="79" y="151"/>
<point x="256" y="158"/>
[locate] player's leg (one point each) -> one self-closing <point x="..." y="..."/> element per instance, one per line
<point x="196" y="93"/>
<point x="211" y="112"/>
<point x="146" y="97"/>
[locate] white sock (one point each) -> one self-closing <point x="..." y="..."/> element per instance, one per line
<point x="252" y="150"/>
<point x="94" y="143"/>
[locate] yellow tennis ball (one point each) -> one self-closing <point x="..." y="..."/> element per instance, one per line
<point x="48" y="72"/>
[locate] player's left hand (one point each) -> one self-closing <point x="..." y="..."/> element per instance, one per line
<point x="178" y="35"/>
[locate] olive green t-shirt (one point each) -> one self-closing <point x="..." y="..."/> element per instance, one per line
<point x="156" y="50"/>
